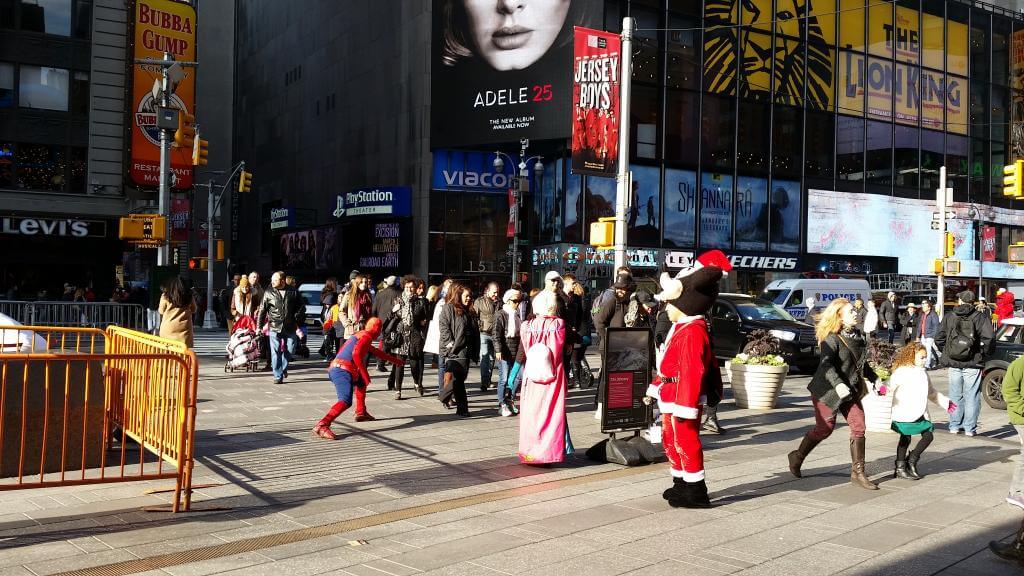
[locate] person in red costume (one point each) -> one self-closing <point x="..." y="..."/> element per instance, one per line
<point x="1004" y="304"/>
<point x="688" y="378"/>
<point x="349" y="375"/>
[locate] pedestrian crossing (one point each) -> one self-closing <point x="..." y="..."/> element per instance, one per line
<point x="214" y="343"/>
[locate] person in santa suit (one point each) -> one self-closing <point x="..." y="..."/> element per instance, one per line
<point x="688" y="378"/>
<point x="349" y="375"/>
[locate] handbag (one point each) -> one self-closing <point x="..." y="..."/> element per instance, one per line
<point x="393" y="333"/>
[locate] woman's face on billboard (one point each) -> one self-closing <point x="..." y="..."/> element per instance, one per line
<point x="512" y="35"/>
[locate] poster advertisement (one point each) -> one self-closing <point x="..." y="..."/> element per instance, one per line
<point x="297" y="250"/>
<point x="988" y="243"/>
<point x="160" y="25"/>
<point x="645" y="206"/>
<point x="501" y="75"/>
<point x="715" y="210"/>
<point x="873" y="225"/>
<point x="325" y="248"/>
<point x="680" y="208"/>
<point x="784" y="223"/>
<point x="751" y="213"/>
<point x="181" y="218"/>
<point x="595" y="101"/>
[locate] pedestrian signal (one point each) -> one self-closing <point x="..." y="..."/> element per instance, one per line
<point x="602" y="233"/>
<point x="219" y="250"/>
<point x="950" y="246"/>
<point x="1016" y="253"/>
<point x="185" y="135"/>
<point x="198" y="263"/>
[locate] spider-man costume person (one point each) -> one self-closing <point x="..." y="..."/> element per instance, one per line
<point x="349" y="375"/>
<point x="688" y="377"/>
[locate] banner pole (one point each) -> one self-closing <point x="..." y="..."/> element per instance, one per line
<point x="623" y="193"/>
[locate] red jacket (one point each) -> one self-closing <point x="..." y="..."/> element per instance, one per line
<point x="688" y="375"/>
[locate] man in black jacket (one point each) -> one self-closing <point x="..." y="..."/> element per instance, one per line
<point x="281" y="308"/>
<point x="965" y="337"/>
<point x="383" y="302"/>
<point x="888" y="317"/>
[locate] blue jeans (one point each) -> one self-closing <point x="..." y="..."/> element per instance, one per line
<point x="279" y="358"/>
<point x="440" y="374"/>
<point x="486" y="358"/>
<point x="504" y="367"/>
<point x="965" y="392"/>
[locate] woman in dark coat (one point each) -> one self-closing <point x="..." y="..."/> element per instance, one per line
<point x="409" y="314"/>
<point x="459" y="341"/>
<point x="838" y="386"/>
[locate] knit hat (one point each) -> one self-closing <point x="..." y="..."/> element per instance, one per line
<point x="623" y="281"/>
<point x="353" y="275"/>
<point x="644" y="296"/>
<point x="967" y="297"/>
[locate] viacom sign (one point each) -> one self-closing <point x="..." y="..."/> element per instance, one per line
<point x="381" y="201"/>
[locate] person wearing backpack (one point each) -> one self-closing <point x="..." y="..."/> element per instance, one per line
<point x="965" y="337"/>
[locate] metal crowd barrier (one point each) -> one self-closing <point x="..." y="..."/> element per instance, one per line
<point x="83" y="314"/>
<point x="87" y="406"/>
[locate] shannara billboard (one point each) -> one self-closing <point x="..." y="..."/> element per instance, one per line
<point x="501" y="74"/>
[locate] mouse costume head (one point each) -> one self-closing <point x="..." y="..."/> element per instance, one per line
<point x="694" y="289"/>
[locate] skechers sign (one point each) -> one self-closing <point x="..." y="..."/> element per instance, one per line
<point x="389" y="201"/>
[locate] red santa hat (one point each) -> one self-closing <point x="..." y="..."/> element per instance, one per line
<point x="715" y="258"/>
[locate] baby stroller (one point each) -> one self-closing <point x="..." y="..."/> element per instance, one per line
<point x="243" y="346"/>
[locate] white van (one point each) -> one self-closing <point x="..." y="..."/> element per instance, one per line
<point x="311" y="294"/>
<point x="793" y="294"/>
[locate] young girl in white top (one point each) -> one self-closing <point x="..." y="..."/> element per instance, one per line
<point x="911" y="390"/>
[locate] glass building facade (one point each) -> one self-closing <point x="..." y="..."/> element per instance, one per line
<point x="740" y="108"/>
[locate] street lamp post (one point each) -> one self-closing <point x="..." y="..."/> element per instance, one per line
<point x="978" y="216"/>
<point x="522" y="186"/>
<point x="212" y="204"/>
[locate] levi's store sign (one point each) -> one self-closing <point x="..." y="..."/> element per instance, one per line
<point x="71" y="227"/>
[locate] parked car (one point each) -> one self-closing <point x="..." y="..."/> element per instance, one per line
<point x="735" y="316"/>
<point x="1009" y="344"/>
<point x="311" y="294"/>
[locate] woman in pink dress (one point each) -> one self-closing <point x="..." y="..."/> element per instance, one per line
<point x="543" y="432"/>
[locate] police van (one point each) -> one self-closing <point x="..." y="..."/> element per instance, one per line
<point x="793" y="294"/>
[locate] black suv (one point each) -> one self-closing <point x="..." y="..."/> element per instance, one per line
<point x="1008" y="346"/>
<point x="735" y="316"/>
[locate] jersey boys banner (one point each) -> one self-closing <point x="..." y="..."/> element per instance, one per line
<point x="501" y="75"/>
<point x="160" y="26"/>
<point x="595" y="99"/>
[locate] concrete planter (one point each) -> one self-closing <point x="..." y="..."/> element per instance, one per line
<point x="756" y="386"/>
<point x="877" y="411"/>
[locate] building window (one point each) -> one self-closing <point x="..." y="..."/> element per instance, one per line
<point x="47" y="16"/>
<point x="931" y="160"/>
<point x="83" y="19"/>
<point x="753" y="141"/>
<point x="683" y="119"/>
<point x="849" y="151"/>
<point x="646" y="111"/>
<point x="7" y="12"/>
<point x="683" y="53"/>
<point x="41" y="167"/>
<point x="6" y="85"/>
<point x="79" y="167"/>
<point x="6" y="165"/>
<point x="905" y="167"/>
<point x="43" y="87"/>
<point x="879" y="153"/>
<point x="820" y="135"/>
<point x="717" y="132"/>
<point x="787" y="141"/>
<point x="80" y="94"/>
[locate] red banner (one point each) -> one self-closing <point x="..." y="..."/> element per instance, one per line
<point x="595" y="98"/>
<point x="181" y="219"/>
<point x="988" y="243"/>
<point x="513" y="214"/>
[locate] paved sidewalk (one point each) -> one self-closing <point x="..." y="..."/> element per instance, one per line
<point x="419" y="491"/>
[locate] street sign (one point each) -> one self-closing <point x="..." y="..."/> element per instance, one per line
<point x="950" y="215"/>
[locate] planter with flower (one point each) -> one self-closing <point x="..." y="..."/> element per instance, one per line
<point x="757" y="374"/>
<point x="877" y="405"/>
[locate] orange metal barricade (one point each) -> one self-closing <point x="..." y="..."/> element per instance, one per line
<point x="74" y="400"/>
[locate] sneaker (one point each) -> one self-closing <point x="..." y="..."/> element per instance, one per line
<point x="278" y="381"/>
<point x="505" y="411"/>
<point x="954" y="430"/>
<point x="968" y="433"/>
<point x="1017" y="500"/>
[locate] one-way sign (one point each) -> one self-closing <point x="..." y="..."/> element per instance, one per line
<point x="950" y="215"/>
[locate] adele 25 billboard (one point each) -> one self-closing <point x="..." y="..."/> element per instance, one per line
<point x="502" y="71"/>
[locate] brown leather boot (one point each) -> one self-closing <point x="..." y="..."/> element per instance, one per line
<point x="857" y="476"/>
<point x="796" y="457"/>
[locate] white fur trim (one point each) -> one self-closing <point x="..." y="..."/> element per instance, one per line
<point x="693" y="476"/>
<point x="676" y="473"/>
<point x="685" y="412"/>
<point x="697" y="265"/>
<point x="665" y="407"/>
<point x="653" y="390"/>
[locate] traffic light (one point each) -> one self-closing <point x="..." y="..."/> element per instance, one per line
<point x="198" y="263"/>
<point x="950" y="245"/>
<point x="602" y="233"/>
<point x="245" y="181"/>
<point x="145" y="227"/>
<point x="185" y="135"/>
<point x="219" y="250"/>
<point x="199" y="151"/>
<point x="1013" y="178"/>
<point x="1016" y="253"/>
